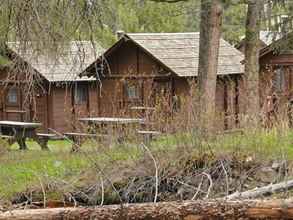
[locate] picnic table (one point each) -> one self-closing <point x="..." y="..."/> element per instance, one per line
<point x="143" y="108"/>
<point x="20" y="131"/>
<point x="112" y="122"/>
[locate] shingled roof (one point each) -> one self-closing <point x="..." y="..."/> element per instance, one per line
<point x="66" y="65"/>
<point x="180" y="52"/>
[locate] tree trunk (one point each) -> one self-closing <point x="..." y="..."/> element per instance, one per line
<point x="252" y="61"/>
<point x="210" y="33"/>
<point x="187" y="210"/>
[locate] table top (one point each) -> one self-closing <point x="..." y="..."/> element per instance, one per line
<point x="112" y="120"/>
<point x="20" y="124"/>
<point x="142" y="108"/>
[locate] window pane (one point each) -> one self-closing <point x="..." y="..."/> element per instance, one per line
<point x="279" y="81"/>
<point x="12" y="95"/>
<point x="80" y="95"/>
<point x="132" y="92"/>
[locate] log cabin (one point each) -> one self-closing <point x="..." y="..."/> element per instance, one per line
<point x="276" y="77"/>
<point x="147" y="69"/>
<point x="43" y="86"/>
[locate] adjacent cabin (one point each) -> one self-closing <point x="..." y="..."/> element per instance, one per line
<point x="265" y="38"/>
<point x="45" y="87"/>
<point x="159" y="70"/>
<point x="276" y="66"/>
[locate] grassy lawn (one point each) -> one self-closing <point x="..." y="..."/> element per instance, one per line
<point x="20" y="170"/>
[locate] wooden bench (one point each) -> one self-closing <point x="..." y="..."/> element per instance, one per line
<point x="78" y="138"/>
<point x="148" y="135"/>
<point x="43" y="138"/>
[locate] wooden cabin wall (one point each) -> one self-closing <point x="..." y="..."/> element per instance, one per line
<point x="66" y="112"/>
<point x="93" y="100"/>
<point x="130" y="60"/>
<point x="227" y="100"/>
<point x="110" y="98"/>
<point x="129" y="65"/>
<point x="61" y="109"/>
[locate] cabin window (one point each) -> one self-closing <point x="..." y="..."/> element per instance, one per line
<point x="80" y="94"/>
<point x="132" y="92"/>
<point x="12" y="96"/>
<point x="279" y="80"/>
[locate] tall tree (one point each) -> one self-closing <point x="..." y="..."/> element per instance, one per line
<point x="210" y="33"/>
<point x="253" y="22"/>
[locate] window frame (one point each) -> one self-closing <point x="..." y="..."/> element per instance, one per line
<point x="136" y="90"/>
<point x="16" y="95"/>
<point x="80" y="94"/>
<point x="279" y="81"/>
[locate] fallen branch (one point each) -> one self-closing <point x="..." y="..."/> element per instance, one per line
<point x="188" y="210"/>
<point x="262" y="191"/>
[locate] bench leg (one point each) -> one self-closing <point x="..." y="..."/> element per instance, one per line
<point x="147" y="139"/>
<point x="21" y="143"/>
<point x="43" y="142"/>
<point x="10" y="141"/>
<point x="76" y="144"/>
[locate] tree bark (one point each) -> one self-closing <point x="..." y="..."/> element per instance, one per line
<point x="252" y="60"/>
<point x="188" y="210"/>
<point x="210" y="33"/>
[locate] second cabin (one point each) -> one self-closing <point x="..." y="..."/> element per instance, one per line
<point x="160" y="70"/>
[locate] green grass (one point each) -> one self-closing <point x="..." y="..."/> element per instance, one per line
<point x="22" y="170"/>
<point x="4" y="61"/>
<point x="268" y="144"/>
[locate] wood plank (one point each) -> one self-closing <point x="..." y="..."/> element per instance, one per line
<point x="112" y="120"/>
<point x="15" y="111"/>
<point x="20" y="124"/>
<point x="46" y="135"/>
<point x="72" y="134"/>
<point x="149" y="132"/>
